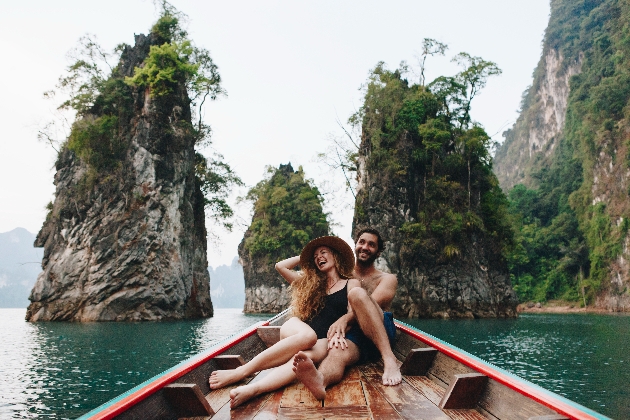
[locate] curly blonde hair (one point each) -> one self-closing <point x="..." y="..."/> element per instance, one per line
<point x="309" y="291"/>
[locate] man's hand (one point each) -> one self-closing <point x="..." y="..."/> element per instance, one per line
<point x="339" y="328"/>
<point x="337" y="341"/>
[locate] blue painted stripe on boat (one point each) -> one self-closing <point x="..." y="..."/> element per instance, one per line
<point x="510" y="374"/>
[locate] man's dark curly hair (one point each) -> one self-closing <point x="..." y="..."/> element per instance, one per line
<point x="381" y="243"/>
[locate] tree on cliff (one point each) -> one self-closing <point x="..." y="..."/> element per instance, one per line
<point x="287" y="214"/>
<point x="417" y="136"/>
<point x="425" y="179"/>
<point x="101" y="98"/>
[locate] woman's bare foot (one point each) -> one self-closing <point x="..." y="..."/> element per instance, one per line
<point x="391" y="372"/>
<point x="220" y="378"/>
<point x="241" y="394"/>
<point x="308" y="374"/>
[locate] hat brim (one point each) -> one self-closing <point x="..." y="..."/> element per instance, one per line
<point x="333" y="242"/>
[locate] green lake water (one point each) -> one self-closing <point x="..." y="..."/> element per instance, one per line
<point x="63" y="370"/>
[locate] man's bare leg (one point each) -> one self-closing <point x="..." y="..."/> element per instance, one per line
<point x="295" y="336"/>
<point x="330" y="370"/>
<point x="370" y="318"/>
<point x="277" y="378"/>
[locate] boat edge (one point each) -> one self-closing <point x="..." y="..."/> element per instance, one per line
<point x="117" y="405"/>
<point x="537" y="393"/>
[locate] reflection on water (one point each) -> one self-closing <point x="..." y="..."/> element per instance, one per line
<point x="62" y="370"/>
<point x="583" y="357"/>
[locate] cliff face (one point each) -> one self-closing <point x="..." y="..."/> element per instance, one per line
<point x="425" y="182"/>
<point x="128" y="243"/>
<point x="474" y="285"/>
<point x="539" y="127"/>
<point x="265" y="290"/>
<point x="287" y="215"/>
<point x="570" y="141"/>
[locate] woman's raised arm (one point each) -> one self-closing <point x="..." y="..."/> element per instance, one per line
<point x="285" y="268"/>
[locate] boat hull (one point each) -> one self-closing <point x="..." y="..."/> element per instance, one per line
<point x="434" y="372"/>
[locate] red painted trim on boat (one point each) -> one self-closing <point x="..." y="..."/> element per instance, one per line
<point x="519" y="386"/>
<point x="131" y="400"/>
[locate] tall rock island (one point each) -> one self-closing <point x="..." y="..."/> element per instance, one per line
<point x="425" y="182"/>
<point x="287" y="215"/>
<point x="125" y="238"/>
<point x="565" y="161"/>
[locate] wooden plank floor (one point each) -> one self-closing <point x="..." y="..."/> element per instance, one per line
<point x="360" y="395"/>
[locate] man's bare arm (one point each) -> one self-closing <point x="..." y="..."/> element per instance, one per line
<point x="384" y="293"/>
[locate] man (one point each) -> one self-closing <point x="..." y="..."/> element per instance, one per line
<point x="349" y="344"/>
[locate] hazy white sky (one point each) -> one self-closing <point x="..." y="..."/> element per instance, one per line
<point x="291" y="68"/>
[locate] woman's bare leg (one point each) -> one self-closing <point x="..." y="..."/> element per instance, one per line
<point x="295" y="336"/>
<point x="277" y="378"/>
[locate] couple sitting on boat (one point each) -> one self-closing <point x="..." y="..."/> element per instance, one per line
<point x="338" y="320"/>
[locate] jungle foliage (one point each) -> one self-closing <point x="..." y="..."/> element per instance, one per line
<point x="566" y="239"/>
<point x="421" y="139"/>
<point x="287" y="215"/>
<point x="102" y="98"/>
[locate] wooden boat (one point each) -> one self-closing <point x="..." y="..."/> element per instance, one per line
<point x="439" y="382"/>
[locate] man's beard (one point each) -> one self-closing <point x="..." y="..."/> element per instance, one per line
<point x="368" y="262"/>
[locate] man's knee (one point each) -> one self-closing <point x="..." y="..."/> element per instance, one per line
<point x="345" y="357"/>
<point x="357" y="294"/>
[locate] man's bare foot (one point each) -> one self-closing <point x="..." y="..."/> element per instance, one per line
<point x="391" y="372"/>
<point x="307" y="373"/>
<point x="220" y="378"/>
<point x="241" y="394"/>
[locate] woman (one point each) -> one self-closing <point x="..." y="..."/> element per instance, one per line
<point x="318" y="299"/>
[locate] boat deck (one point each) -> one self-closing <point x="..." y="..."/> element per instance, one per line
<point x="360" y="395"/>
<point x="439" y="382"/>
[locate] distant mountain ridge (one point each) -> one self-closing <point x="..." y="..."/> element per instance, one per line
<point x="20" y="263"/>
<point x="227" y="285"/>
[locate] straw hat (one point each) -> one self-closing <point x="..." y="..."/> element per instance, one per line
<point x="333" y="242"/>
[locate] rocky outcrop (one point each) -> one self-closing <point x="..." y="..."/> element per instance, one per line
<point x="287" y="215"/>
<point x="265" y="290"/>
<point x="539" y="126"/>
<point x="580" y="123"/>
<point x="473" y="285"/>
<point x="128" y="243"/>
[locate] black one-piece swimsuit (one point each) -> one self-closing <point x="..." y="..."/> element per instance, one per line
<point x="335" y="306"/>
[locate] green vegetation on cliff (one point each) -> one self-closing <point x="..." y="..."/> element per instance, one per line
<point x="287" y="214"/>
<point x="571" y="229"/>
<point x="104" y="97"/>
<point x="421" y="142"/>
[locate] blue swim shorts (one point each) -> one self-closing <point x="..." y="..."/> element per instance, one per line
<point x="369" y="352"/>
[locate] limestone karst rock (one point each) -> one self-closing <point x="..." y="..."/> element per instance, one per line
<point x="537" y="131"/>
<point x="570" y="146"/>
<point x="425" y="183"/>
<point x="287" y="215"/>
<point x="128" y="242"/>
<point x="474" y="285"/>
